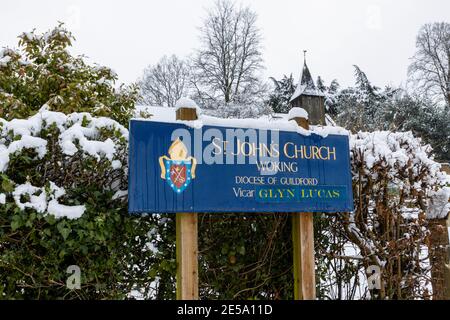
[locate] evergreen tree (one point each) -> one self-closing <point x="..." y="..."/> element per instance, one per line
<point x="359" y="107"/>
<point x="368" y="108"/>
<point x="321" y="85"/>
<point x="36" y="246"/>
<point x="331" y="98"/>
<point x="421" y="116"/>
<point x="43" y="71"/>
<point x="281" y="94"/>
<point x="330" y="95"/>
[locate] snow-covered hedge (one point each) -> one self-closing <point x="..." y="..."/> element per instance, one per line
<point x="63" y="174"/>
<point x="407" y="164"/>
<point x="68" y="139"/>
<point x="397" y="187"/>
<point x="63" y="182"/>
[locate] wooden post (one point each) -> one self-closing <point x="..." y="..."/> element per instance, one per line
<point x="439" y="252"/>
<point x="187" y="256"/>
<point x="439" y="258"/>
<point x="187" y="240"/>
<point x="303" y="246"/>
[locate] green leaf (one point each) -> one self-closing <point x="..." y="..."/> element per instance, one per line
<point x="224" y="249"/>
<point x="84" y="249"/>
<point x="152" y="273"/>
<point x="63" y="230"/>
<point x="50" y="219"/>
<point x="7" y="185"/>
<point x="15" y="224"/>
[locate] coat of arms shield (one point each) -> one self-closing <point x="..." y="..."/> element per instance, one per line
<point x="178" y="169"/>
<point x="178" y="174"/>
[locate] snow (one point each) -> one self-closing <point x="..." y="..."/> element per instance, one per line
<point x="297" y="113"/>
<point x="37" y="197"/>
<point x="68" y="147"/>
<point x="60" y="211"/>
<point x="439" y="206"/>
<point x="98" y="148"/>
<point x="29" y="142"/>
<point x="120" y="194"/>
<point x="93" y="148"/>
<point x="306" y="91"/>
<point x="38" y="201"/>
<point x="116" y="164"/>
<point x="324" y="131"/>
<point x="401" y="151"/>
<point x="78" y="132"/>
<point x="108" y="123"/>
<point x="266" y="122"/>
<point x="329" y="121"/>
<point x="386" y="146"/>
<point x="22" y="127"/>
<point x="30" y="36"/>
<point x="7" y="52"/>
<point x="55" y="191"/>
<point x="49" y="118"/>
<point x="4" y="158"/>
<point x="410" y="213"/>
<point x="4" y="61"/>
<point x="102" y="81"/>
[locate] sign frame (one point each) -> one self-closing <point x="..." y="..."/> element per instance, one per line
<point x="299" y="197"/>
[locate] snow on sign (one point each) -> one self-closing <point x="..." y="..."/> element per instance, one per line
<point x="199" y="167"/>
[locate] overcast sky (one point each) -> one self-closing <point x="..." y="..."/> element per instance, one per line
<point x="127" y="35"/>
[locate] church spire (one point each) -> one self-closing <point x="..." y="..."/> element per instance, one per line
<point x="306" y="79"/>
<point x="308" y="97"/>
<point x="306" y="84"/>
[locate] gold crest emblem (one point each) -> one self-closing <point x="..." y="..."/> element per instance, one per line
<point x="178" y="169"/>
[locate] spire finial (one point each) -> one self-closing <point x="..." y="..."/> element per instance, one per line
<point x="304" y="56"/>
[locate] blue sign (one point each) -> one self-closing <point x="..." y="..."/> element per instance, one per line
<point x="176" y="168"/>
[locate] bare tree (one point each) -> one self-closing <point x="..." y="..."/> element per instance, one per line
<point x="165" y="83"/>
<point x="430" y="69"/>
<point x="230" y="57"/>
